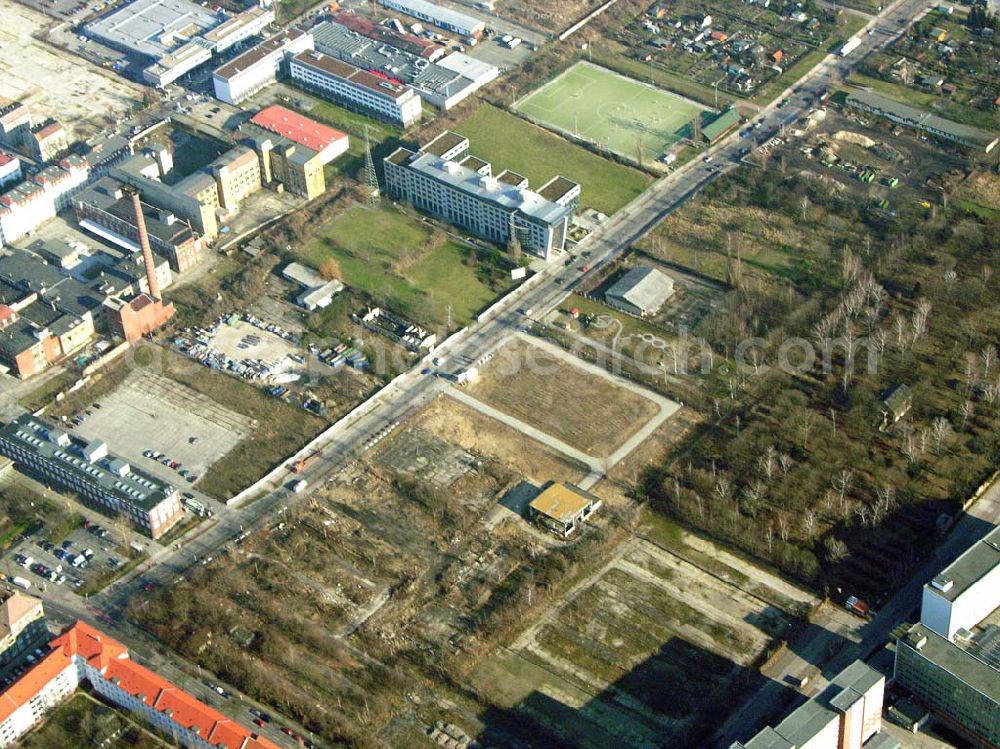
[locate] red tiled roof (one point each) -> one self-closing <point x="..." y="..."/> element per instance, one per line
<point x="5" y="158"/>
<point x="32" y="683"/>
<point x="297" y="128"/>
<point x="6" y="313"/>
<point x="111" y="659"/>
<point x="48" y="131"/>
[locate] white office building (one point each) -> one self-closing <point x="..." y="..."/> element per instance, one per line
<point x="258" y="68"/>
<point x="357" y="89"/>
<point x="442" y="179"/>
<point x="966" y="591"/>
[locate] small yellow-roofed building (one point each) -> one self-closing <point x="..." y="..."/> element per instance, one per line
<point x="562" y="508"/>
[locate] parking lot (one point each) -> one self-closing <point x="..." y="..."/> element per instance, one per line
<point x="83" y="555"/>
<point x="149" y="411"/>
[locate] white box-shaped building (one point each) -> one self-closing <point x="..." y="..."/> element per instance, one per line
<point x="966" y="591"/>
<point x="258" y="68"/>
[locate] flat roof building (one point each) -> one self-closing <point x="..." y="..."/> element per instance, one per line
<point x="966" y="591"/>
<point x="642" y="291"/>
<point x="563" y="508"/>
<point x="919" y="119"/>
<point x="444" y="18"/>
<point x="176" y="36"/>
<point x="73" y="464"/>
<point x="847" y="714"/>
<point x="436" y="180"/>
<point x="959" y="683"/>
<point x="258" y="68"/>
<point x="356" y="89"/>
<point x="440" y="86"/>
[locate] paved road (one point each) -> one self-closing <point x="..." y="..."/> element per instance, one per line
<point x="410" y="391"/>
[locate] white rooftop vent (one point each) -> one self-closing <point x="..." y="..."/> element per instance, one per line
<point x="95" y="450"/>
<point x="59" y="437"/>
<point x="944" y="584"/>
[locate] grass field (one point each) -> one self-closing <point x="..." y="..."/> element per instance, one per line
<point x="511" y="143"/>
<point x="608" y="109"/>
<point x="391" y="255"/>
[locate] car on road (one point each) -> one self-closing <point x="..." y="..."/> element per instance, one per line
<point x="260" y="714"/>
<point x="707" y="159"/>
<point x="259" y="723"/>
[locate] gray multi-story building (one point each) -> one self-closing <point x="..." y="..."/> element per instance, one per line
<point x="959" y="683"/>
<point x="950" y="661"/>
<point x="90" y="471"/>
<point x="22" y="625"/>
<point x="442" y="179"/>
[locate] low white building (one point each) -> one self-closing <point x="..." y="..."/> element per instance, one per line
<point x="357" y="89"/>
<point x="966" y="591"/>
<point x="258" y="68"/>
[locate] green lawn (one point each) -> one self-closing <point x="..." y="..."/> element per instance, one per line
<point x="608" y="109"/>
<point x="354" y="125"/>
<point x="509" y="142"/>
<point x="906" y="94"/>
<point x="372" y="248"/>
<point x="661" y="77"/>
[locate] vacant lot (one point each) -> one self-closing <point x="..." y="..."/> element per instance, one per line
<point x="647" y="650"/>
<point x="149" y="411"/>
<point x="395" y="257"/>
<point x="584" y="410"/>
<point x="633" y="119"/>
<point x="481" y="435"/>
<point x="279" y="427"/>
<point x="509" y="142"/>
<point x="55" y="83"/>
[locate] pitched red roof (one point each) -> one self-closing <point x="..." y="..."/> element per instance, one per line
<point x="111" y="659"/>
<point x="296" y="128"/>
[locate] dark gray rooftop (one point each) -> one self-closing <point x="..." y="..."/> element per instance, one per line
<point x="953" y="659"/>
<point x="137" y="488"/>
<point x="976" y="562"/>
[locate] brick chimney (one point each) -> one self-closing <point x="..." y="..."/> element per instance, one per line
<point x="147" y="252"/>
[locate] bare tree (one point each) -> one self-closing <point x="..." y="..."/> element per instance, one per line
<point x="919" y="320"/>
<point x="766" y="462"/>
<point x="967" y="408"/>
<point x="785" y="461"/>
<point x="940" y="428"/>
<point x="988" y="356"/>
<point x="809" y="524"/>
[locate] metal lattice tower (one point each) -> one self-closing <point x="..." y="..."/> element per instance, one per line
<point x="371" y="179"/>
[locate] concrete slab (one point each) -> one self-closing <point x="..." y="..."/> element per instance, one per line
<point x="152" y="412"/>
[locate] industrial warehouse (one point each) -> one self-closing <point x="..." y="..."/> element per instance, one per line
<point x="176" y="36"/>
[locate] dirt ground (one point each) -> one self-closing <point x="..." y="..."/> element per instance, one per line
<point x="53" y="83"/>
<point x="481" y="435"/>
<point x="641" y="651"/>
<point x="584" y="410"/>
<point x="553" y="15"/>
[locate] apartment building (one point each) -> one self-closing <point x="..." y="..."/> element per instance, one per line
<point x="91" y="472"/>
<point x="84" y="655"/>
<point x="442" y="179"/>
<point x="10" y="168"/>
<point x="379" y="96"/>
<point x="22" y="624"/>
<point x="31" y="203"/>
<point x="258" y="68"/>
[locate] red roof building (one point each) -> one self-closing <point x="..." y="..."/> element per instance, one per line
<point x="83" y="653"/>
<point x="299" y="129"/>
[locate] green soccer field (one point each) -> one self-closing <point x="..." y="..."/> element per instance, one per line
<point x="608" y="109"/>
